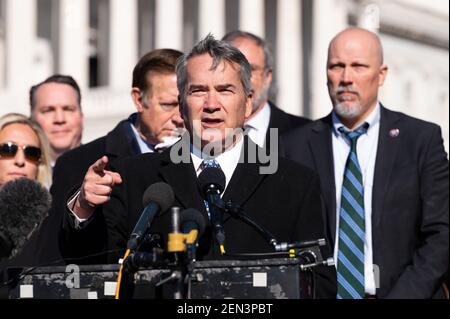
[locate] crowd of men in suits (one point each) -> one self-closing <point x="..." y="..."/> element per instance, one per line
<point x="372" y="181"/>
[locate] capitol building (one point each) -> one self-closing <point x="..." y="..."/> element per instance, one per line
<point x="98" y="42"/>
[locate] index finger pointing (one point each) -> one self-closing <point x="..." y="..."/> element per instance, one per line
<point x="116" y="178"/>
<point x="99" y="165"/>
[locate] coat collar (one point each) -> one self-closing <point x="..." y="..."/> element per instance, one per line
<point x="321" y="148"/>
<point x="121" y="141"/>
<point x="388" y="144"/>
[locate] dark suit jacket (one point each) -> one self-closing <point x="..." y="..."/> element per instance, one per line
<point x="409" y="201"/>
<point x="68" y="176"/>
<point x="286" y="203"/>
<point x="283" y="121"/>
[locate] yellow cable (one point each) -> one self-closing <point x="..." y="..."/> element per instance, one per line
<point x="119" y="276"/>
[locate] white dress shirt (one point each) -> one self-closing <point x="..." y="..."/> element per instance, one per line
<point x="366" y="149"/>
<point x="258" y="125"/>
<point x="146" y="147"/>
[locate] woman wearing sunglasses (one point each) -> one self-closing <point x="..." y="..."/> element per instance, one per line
<point x="24" y="150"/>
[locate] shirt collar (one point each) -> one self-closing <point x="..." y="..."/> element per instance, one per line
<point x="372" y="119"/>
<point x="143" y="145"/>
<point x="259" y="124"/>
<point x="146" y="147"/>
<point x="227" y="160"/>
<point x="261" y="119"/>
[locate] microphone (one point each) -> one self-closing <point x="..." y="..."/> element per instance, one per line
<point x="284" y="246"/>
<point x="153" y="259"/>
<point x="24" y="203"/>
<point x="193" y="224"/>
<point x="157" y="199"/>
<point x="212" y="183"/>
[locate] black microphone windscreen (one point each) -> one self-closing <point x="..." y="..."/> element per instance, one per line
<point x="211" y="175"/>
<point x="24" y="203"/>
<point x="192" y="215"/>
<point x="160" y="193"/>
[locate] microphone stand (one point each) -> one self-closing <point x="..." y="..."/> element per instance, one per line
<point x="182" y="255"/>
<point x="237" y="212"/>
<point x="308" y="251"/>
<point x="176" y="246"/>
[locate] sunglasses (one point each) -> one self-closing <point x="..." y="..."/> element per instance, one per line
<point x="9" y="150"/>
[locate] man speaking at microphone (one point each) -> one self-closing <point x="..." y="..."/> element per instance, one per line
<point x="215" y="98"/>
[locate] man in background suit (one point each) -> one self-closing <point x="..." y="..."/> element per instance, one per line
<point x="55" y="104"/>
<point x="215" y="98"/>
<point x="265" y="115"/>
<point x="156" y="125"/>
<point x="402" y="197"/>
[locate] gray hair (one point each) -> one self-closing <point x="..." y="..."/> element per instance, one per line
<point x="219" y="51"/>
<point x="238" y="34"/>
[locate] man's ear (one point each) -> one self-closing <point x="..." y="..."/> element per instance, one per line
<point x="268" y="77"/>
<point x="136" y="96"/>
<point x="382" y="74"/>
<point x="249" y="105"/>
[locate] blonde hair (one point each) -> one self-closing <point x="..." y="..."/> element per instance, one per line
<point x="44" y="175"/>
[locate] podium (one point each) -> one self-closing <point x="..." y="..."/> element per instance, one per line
<point x="279" y="278"/>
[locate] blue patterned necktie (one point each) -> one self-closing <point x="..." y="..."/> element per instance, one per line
<point x="209" y="163"/>
<point x="350" y="264"/>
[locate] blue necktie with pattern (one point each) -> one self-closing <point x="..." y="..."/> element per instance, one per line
<point x="350" y="263"/>
<point x="209" y="163"/>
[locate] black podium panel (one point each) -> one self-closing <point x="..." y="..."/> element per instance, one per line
<point x="261" y="279"/>
<point x="258" y="279"/>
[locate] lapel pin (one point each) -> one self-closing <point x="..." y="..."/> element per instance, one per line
<point x="394" y="132"/>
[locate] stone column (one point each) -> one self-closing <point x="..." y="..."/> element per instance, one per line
<point x="123" y="42"/>
<point x="211" y="18"/>
<point x="20" y="28"/>
<point x="169" y="24"/>
<point x="251" y="16"/>
<point x="74" y="40"/>
<point x="330" y="17"/>
<point x="289" y="57"/>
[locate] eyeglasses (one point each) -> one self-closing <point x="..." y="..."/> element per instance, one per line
<point x="9" y="150"/>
